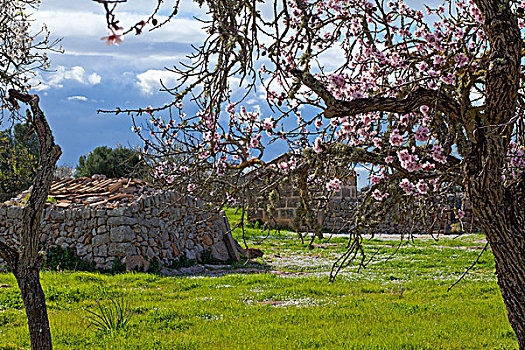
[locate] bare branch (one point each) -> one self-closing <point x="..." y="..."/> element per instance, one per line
<point x="409" y="104"/>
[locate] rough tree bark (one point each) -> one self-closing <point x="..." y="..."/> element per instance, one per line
<point x="27" y="261"/>
<point x="500" y="209"/>
<point x="501" y="215"/>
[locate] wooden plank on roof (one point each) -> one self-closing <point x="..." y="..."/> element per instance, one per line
<point x="83" y="195"/>
<point x="63" y="204"/>
<point x="98" y="203"/>
<point x="60" y="184"/>
<point x="115" y="187"/>
<point x="74" y="188"/>
<point x="117" y="196"/>
<point x="105" y="183"/>
<point x="90" y="188"/>
<point x="60" y="196"/>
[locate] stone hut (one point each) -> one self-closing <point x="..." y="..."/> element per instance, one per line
<point x="286" y="206"/>
<point x="289" y="198"/>
<point x="104" y="220"/>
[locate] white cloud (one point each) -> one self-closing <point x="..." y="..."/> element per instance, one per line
<point x="63" y="74"/>
<point x="86" y="24"/>
<point x="94" y="79"/>
<point x="92" y="26"/>
<point x="131" y="57"/>
<point x="332" y="58"/>
<point x="77" y="98"/>
<point x="150" y="81"/>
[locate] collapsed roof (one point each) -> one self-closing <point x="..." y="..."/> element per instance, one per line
<point x="95" y="191"/>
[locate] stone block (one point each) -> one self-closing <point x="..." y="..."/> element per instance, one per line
<point x="121" y="220"/>
<point x="207" y="240"/>
<point x="83" y="250"/>
<point x="118" y="249"/>
<point x="60" y="241"/>
<point x="150" y="253"/>
<point x="175" y="249"/>
<point x="13" y="212"/>
<point x="119" y="211"/>
<point x="136" y="262"/>
<point x="99" y="240"/>
<point x="131" y="250"/>
<point x="99" y="262"/>
<point x="190" y="254"/>
<point x="220" y="252"/>
<point x="121" y="234"/>
<point x="102" y="251"/>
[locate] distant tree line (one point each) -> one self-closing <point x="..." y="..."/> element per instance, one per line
<point x="111" y="162"/>
<point x="19" y="150"/>
<point x="19" y="153"/>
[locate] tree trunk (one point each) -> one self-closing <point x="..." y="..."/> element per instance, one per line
<point x="501" y="214"/>
<point x="508" y="246"/>
<point x="35" y="305"/>
<point x="27" y="260"/>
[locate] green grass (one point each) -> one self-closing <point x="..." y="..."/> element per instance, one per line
<point x="401" y="303"/>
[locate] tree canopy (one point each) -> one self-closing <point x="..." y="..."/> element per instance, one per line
<point x="429" y="99"/>
<point x="112" y="162"/>
<point x="18" y="159"/>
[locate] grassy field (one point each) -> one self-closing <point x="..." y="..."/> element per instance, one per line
<point x="396" y="303"/>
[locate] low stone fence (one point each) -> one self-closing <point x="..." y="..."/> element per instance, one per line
<point x="339" y="212"/>
<point x="153" y="227"/>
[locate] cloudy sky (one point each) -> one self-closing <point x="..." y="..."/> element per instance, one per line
<point x="90" y="75"/>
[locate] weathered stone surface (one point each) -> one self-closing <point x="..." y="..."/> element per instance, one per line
<point x="175" y="250"/>
<point x="206" y="239"/>
<point x="121" y="234"/>
<point x="121" y="220"/>
<point x="190" y="254"/>
<point x="83" y="250"/>
<point x="150" y="253"/>
<point x="119" y="211"/>
<point x="99" y="240"/>
<point x="137" y="263"/>
<point x="103" y="250"/>
<point x="60" y="241"/>
<point x="12" y="212"/>
<point x="219" y="251"/>
<point x="133" y="233"/>
<point x="118" y="249"/>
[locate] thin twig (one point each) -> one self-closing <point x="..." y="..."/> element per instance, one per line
<point x="469" y="268"/>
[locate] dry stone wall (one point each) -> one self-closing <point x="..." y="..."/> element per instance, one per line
<point x="154" y="227"/>
<point x="341" y="210"/>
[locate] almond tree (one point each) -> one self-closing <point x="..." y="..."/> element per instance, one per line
<point x="431" y="100"/>
<point x="21" y="54"/>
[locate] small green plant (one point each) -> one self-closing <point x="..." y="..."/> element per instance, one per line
<point x="154" y="266"/>
<point x="207" y="258"/>
<point x="66" y="259"/>
<point x="182" y="262"/>
<point x="118" y="266"/>
<point x="112" y="317"/>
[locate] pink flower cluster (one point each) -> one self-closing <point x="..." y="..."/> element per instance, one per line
<point x="333" y="185"/>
